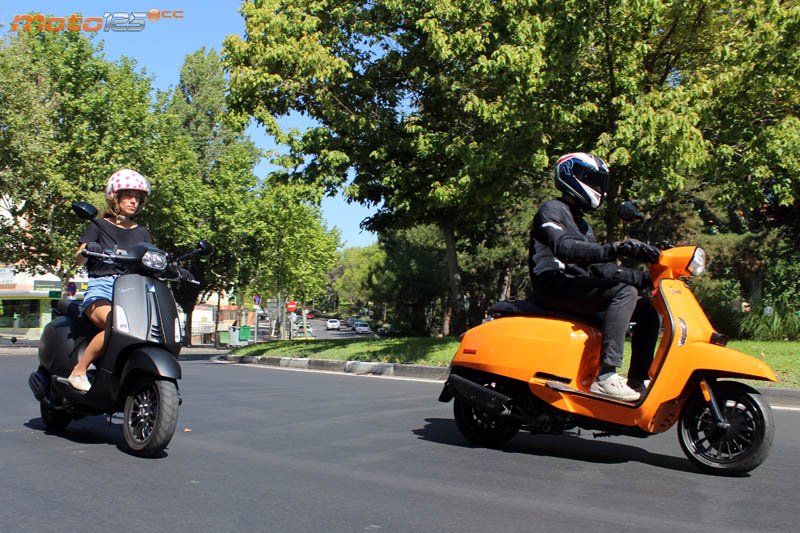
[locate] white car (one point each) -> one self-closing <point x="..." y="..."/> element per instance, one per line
<point x="332" y="324"/>
<point x="363" y="328"/>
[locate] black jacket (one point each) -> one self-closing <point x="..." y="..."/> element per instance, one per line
<point x="561" y="240"/>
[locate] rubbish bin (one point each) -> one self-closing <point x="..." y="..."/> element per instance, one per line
<point x="244" y="334"/>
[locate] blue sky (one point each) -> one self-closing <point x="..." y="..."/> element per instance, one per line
<point x="160" y="49"/>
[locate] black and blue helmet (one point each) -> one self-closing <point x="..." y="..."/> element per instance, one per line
<point x="583" y="177"/>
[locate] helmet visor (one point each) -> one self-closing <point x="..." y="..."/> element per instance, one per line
<point x="592" y="178"/>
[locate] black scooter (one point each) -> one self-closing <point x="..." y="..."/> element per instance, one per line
<point x="138" y="373"/>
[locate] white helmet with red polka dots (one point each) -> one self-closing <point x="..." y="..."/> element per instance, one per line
<point x="126" y="180"/>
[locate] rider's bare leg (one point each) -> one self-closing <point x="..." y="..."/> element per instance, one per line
<point x="98" y="314"/>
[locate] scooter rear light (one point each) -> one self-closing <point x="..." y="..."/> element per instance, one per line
<point x="121" y="320"/>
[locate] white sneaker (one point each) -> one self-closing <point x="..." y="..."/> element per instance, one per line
<point x="80" y="383"/>
<point x="614" y="387"/>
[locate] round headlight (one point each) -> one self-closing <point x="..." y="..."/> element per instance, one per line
<point x="698" y="263"/>
<point x="155" y="260"/>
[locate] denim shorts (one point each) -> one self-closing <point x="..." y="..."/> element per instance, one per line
<point x="98" y="289"/>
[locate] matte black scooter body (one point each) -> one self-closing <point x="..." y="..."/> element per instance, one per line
<point x="144" y="336"/>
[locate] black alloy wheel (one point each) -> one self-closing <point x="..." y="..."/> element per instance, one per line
<point x="741" y="447"/>
<point x="150" y="416"/>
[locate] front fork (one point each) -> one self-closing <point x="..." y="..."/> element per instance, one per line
<point x="708" y="395"/>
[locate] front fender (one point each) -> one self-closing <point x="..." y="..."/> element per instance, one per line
<point x="730" y="362"/>
<point x="152" y="360"/>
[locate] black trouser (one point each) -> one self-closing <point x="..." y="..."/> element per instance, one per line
<point x="584" y="295"/>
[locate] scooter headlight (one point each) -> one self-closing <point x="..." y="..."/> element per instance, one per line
<point x="155" y="260"/>
<point x="698" y="263"/>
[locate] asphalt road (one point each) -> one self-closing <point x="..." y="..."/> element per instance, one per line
<point x="266" y="449"/>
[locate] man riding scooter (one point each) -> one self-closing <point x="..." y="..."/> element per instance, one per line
<point x="573" y="273"/>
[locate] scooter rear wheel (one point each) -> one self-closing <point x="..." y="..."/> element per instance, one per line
<point x="150" y="416"/>
<point x="733" y="451"/>
<point x="481" y="428"/>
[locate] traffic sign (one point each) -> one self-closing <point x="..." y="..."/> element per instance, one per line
<point x="72" y="288"/>
<point x="291" y="306"/>
<point x="256" y="299"/>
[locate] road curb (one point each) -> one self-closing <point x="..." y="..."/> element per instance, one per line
<point x="775" y="396"/>
<point x="361" y="368"/>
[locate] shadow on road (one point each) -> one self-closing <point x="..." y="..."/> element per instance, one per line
<point x="90" y="430"/>
<point x="566" y="446"/>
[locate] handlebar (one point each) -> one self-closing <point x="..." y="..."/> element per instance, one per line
<point x="128" y="259"/>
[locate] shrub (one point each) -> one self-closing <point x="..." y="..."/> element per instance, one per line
<point x="779" y="325"/>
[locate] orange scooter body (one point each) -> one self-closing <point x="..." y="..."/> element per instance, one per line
<point x="559" y="358"/>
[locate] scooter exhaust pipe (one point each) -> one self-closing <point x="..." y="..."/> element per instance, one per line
<point x="478" y="396"/>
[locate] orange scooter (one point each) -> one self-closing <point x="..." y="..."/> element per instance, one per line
<point x="531" y="369"/>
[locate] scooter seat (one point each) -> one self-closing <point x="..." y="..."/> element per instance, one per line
<point x="526" y="308"/>
<point x="69" y="308"/>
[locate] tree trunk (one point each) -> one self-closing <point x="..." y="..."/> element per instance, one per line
<point x="754" y="281"/>
<point x="458" y="324"/>
<point x="505" y="288"/>
<point x="447" y="314"/>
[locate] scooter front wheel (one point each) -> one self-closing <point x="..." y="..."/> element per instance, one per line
<point x="150" y="417"/>
<point x="738" y="449"/>
<point x="481" y="428"/>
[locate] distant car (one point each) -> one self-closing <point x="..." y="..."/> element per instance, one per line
<point x="363" y="328"/>
<point x="355" y="324"/>
<point x="332" y="324"/>
<point x="301" y="335"/>
<point x="309" y="315"/>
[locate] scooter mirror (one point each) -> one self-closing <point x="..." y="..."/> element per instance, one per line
<point x="84" y="210"/>
<point x="205" y="249"/>
<point x="629" y="213"/>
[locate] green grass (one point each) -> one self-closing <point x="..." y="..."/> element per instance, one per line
<point x="782" y="356"/>
<point x="416" y="350"/>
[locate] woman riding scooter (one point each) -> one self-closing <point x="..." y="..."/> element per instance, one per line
<point x="572" y="273"/>
<point x="126" y="193"/>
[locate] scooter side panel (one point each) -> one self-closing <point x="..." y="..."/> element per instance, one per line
<point x="519" y="347"/>
<point x="62" y="342"/>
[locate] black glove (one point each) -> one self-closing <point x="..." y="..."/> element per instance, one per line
<point x="185" y="275"/>
<point x="636" y="249"/>
<point x="94" y="247"/>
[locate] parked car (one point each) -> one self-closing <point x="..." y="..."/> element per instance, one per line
<point x="301" y="335"/>
<point x="363" y="327"/>
<point x="332" y="324"/>
<point x="355" y="324"/>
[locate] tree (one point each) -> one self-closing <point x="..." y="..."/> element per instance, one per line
<point x="205" y="182"/>
<point x="68" y="120"/>
<point x="437" y="109"/>
<point x="295" y="251"/>
<point x="436" y="106"/>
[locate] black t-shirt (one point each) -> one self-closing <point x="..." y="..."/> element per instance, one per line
<point x="111" y="237"/>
